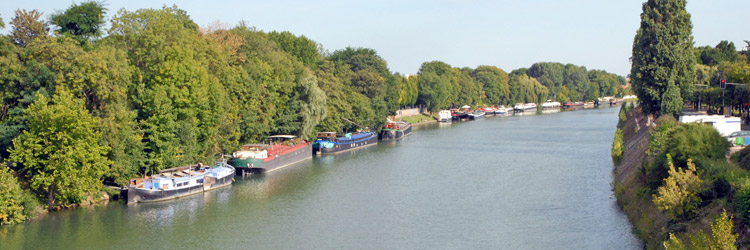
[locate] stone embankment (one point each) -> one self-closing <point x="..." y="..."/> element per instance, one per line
<point x="636" y="136"/>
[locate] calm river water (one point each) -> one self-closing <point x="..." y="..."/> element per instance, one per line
<point x="519" y="182"/>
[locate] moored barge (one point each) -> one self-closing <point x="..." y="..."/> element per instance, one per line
<point x="279" y="152"/>
<point x="395" y="130"/>
<point x="329" y="143"/>
<point x="178" y="182"/>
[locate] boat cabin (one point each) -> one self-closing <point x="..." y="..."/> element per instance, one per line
<point x="257" y="151"/>
<point x="288" y="140"/>
<point x="330" y="136"/>
<point x="391" y="125"/>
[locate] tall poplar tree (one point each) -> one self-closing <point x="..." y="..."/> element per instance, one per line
<point x="663" y="57"/>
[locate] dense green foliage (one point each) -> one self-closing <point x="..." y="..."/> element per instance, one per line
<point x="27" y="27"/>
<point x="441" y="86"/>
<point x="719" y="62"/>
<point x="663" y="70"/>
<point x="669" y="197"/>
<point x="618" y="146"/>
<point x="367" y="74"/>
<point x="60" y="152"/>
<point x="699" y="142"/>
<point x="82" y="21"/>
<point x="678" y="197"/>
<point x="408" y="89"/>
<point x="742" y="158"/>
<point x="722" y="236"/>
<point x="567" y="82"/>
<point x="495" y="83"/>
<point x="723" y="52"/>
<point x="437" y="82"/>
<point x="11" y="209"/>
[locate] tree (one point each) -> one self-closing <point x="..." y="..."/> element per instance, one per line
<point x="21" y="78"/>
<point x="721" y="230"/>
<point x="576" y="79"/>
<point x="369" y="75"/>
<point x="436" y="83"/>
<point x="101" y="78"/>
<point x="60" y="152"/>
<point x="671" y="101"/>
<point x="11" y="209"/>
<point x="721" y="238"/>
<point x="494" y="82"/>
<point x="470" y="90"/>
<point x="301" y="47"/>
<point x="662" y="54"/>
<point x="723" y="52"/>
<point x="27" y="27"/>
<point x="679" y="194"/>
<point x="408" y="89"/>
<point x="524" y="89"/>
<point x="2" y="24"/>
<point x="82" y="21"/>
<point x="179" y="100"/>
<point x="313" y="105"/>
<point x="551" y="75"/>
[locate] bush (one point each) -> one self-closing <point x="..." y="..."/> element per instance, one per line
<point x="618" y="146"/>
<point x="11" y="209"/>
<point x="660" y="136"/>
<point x="699" y="142"/>
<point x="622" y="116"/>
<point x="678" y="196"/>
<point x="656" y="171"/>
<point x="742" y="201"/>
<point x="721" y="236"/>
<point x="742" y="158"/>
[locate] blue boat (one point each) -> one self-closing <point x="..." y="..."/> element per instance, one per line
<point x="329" y="143"/>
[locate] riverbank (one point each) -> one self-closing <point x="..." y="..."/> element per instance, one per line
<point x="419" y="119"/>
<point x="642" y="170"/>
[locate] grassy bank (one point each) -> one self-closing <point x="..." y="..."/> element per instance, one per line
<point x="643" y="181"/>
<point x="417" y="119"/>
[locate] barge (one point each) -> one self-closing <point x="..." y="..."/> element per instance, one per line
<point x="395" y="130"/>
<point x="329" y="143"/>
<point x="178" y="182"/>
<point x="279" y="152"/>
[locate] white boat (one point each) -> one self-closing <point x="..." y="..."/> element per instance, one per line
<point x="444" y="116"/>
<point x="178" y="182"/>
<point x="521" y="107"/>
<point x="550" y="105"/>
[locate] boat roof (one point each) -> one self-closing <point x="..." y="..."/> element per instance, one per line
<point x="283" y="136"/>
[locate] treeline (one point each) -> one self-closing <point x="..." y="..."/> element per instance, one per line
<point x="439" y="86"/>
<point x="722" y="61"/>
<point x="78" y="109"/>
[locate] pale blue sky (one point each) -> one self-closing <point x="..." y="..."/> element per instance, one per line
<point x="513" y="34"/>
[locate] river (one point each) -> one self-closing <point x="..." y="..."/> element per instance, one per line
<point x="518" y="182"/>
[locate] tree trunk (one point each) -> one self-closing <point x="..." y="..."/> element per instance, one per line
<point x="51" y="196"/>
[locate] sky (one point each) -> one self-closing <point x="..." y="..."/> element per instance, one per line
<point x="512" y="34"/>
